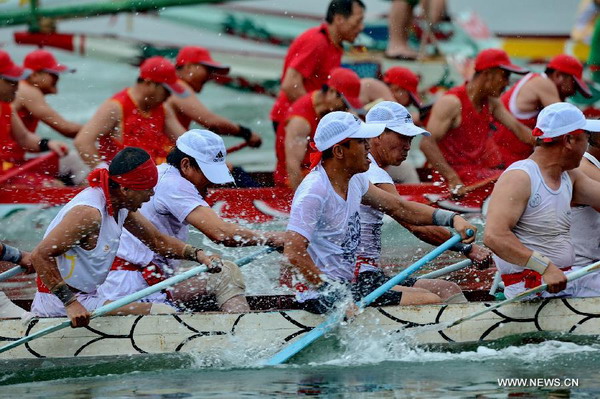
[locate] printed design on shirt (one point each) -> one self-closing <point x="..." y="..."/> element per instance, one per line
<point x="535" y="201"/>
<point x="351" y="240"/>
<point x="376" y="232"/>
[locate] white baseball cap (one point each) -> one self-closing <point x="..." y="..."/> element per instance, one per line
<point x="208" y="149"/>
<point x="338" y="125"/>
<point x="396" y="118"/>
<point x="562" y="118"/>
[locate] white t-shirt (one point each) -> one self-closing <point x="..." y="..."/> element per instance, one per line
<point x="330" y="223"/>
<point x="371" y="220"/>
<point x="174" y="199"/>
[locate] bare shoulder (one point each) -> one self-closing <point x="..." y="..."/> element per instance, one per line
<point x="447" y="105"/>
<point x="514" y="182"/>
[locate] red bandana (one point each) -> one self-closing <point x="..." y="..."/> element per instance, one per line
<point x="315" y="157"/>
<point x="144" y="177"/>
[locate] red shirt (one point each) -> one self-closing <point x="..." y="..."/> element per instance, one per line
<point x="511" y="148"/>
<point x="469" y="148"/>
<point x="313" y="55"/>
<point x="303" y="108"/>
<point x="10" y="150"/>
<point x="30" y="121"/>
<point x="138" y="128"/>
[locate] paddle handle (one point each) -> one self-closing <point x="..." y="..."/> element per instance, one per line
<point x="12" y="272"/>
<point x="446" y="270"/>
<point x="250" y="258"/>
<point x="570" y="277"/>
<point x="236" y="147"/>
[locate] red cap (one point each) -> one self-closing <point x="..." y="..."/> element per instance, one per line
<point x="496" y="58"/>
<point x="42" y="60"/>
<point x="9" y="70"/>
<point x="347" y="83"/>
<point x="405" y="79"/>
<point x="160" y="70"/>
<point x="571" y="66"/>
<point x="199" y="55"/>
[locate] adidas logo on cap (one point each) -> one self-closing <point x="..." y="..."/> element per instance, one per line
<point x="219" y="157"/>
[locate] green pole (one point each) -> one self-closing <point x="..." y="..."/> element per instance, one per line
<point x="594" y="58"/>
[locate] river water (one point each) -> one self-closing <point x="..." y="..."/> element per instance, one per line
<point x="373" y="369"/>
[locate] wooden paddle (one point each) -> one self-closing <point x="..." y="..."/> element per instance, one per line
<point x="333" y="320"/>
<point x="570" y="277"/>
<point x="39" y="162"/>
<point x="131" y="298"/>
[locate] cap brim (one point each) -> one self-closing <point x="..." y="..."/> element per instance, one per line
<point x="354" y="105"/>
<point x="216" y="173"/>
<point x="368" y="131"/>
<point x="218" y="68"/>
<point x="408" y="129"/>
<point x="583" y="87"/>
<point x="415" y="99"/>
<point x="16" y="74"/>
<point x="592" y="125"/>
<point x="514" y="69"/>
<point x="59" y="70"/>
<point x="176" y="89"/>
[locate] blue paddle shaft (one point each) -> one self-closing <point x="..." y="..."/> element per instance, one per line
<point x="320" y="330"/>
<point x="11" y="273"/>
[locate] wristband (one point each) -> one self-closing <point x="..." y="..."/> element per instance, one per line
<point x="44" y="145"/>
<point x="190" y="252"/>
<point x="64" y="293"/>
<point x="443" y="218"/>
<point x="537" y="262"/>
<point x="463" y="248"/>
<point x="10" y="254"/>
<point x="245" y="133"/>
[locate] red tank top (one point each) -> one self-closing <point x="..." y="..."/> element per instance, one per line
<point x="511" y="148"/>
<point x="138" y="129"/>
<point x="469" y="148"/>
<point x="30" y="121"/>
<point x="305" y="109"/>
<point x="10" y="150"/>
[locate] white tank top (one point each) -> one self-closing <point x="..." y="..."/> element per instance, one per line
<point x="512" y="102"/>
<point x="545" y="224"/>
<point x="585" y="229"/>
<point x="82" y="269"/>
<point x="371" y="220"/>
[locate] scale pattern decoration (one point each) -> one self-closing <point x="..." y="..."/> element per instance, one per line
<point x="267" y="331"/>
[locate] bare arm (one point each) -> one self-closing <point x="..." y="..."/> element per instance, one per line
<point x="502" y="115"/>
<point x="296" y="252"/>
<point x="293" y="85"/>
<point x="443" y="117"/>
<point x="31" y="141"/>
<point x="591" y="171"/>
<point x="586" y="190"/>
<point x="373" y="90"/>
<point x="102" y="123"/>
<point x="545" y="91"/>
<point x="36" y="104"/>
<point x="230" y="234"/>
<point x="297" y="132"/>
<point x="410" y="212"/>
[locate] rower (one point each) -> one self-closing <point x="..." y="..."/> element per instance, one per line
<point x="401" y="85"/>
<point x="313" y="54"/>
<point x="585" y="221"/>
<point x="15" y="139"/>
<point x="562" y="79"/>
<point x="460" y="149"/>
<point x="136" y="116"/>
<point x="195" y="67"/>
<point x="324" y="227"/>
<point x="79" y="246"/>
<point x="195" y="163"/>
<point x="294" y="133"/>
<point x="391" y="148"/>
<point x="32" y="108"/>
<point x="14" y="256"/>
<point x="529" y="216"/>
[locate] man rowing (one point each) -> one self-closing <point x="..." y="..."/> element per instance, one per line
<point x="13" y="256"/>
<point x="136" y="116"/>
<point x="390" y="149"/>
<point x="461" y="150"/>
<point x="585" y="222"/>
<point x="32" y="107"/>
<point x="313" y="54"/>
<point x="80" y="244"/>
<point x="529" y="217"/>
<point x="195" y="163"/>
<point x="15" y="139"/>
<point x="325" y="227"/>
<point x="195" y="67"/>
<point x="295" y="132"/>
<point x="563" y="78"/>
